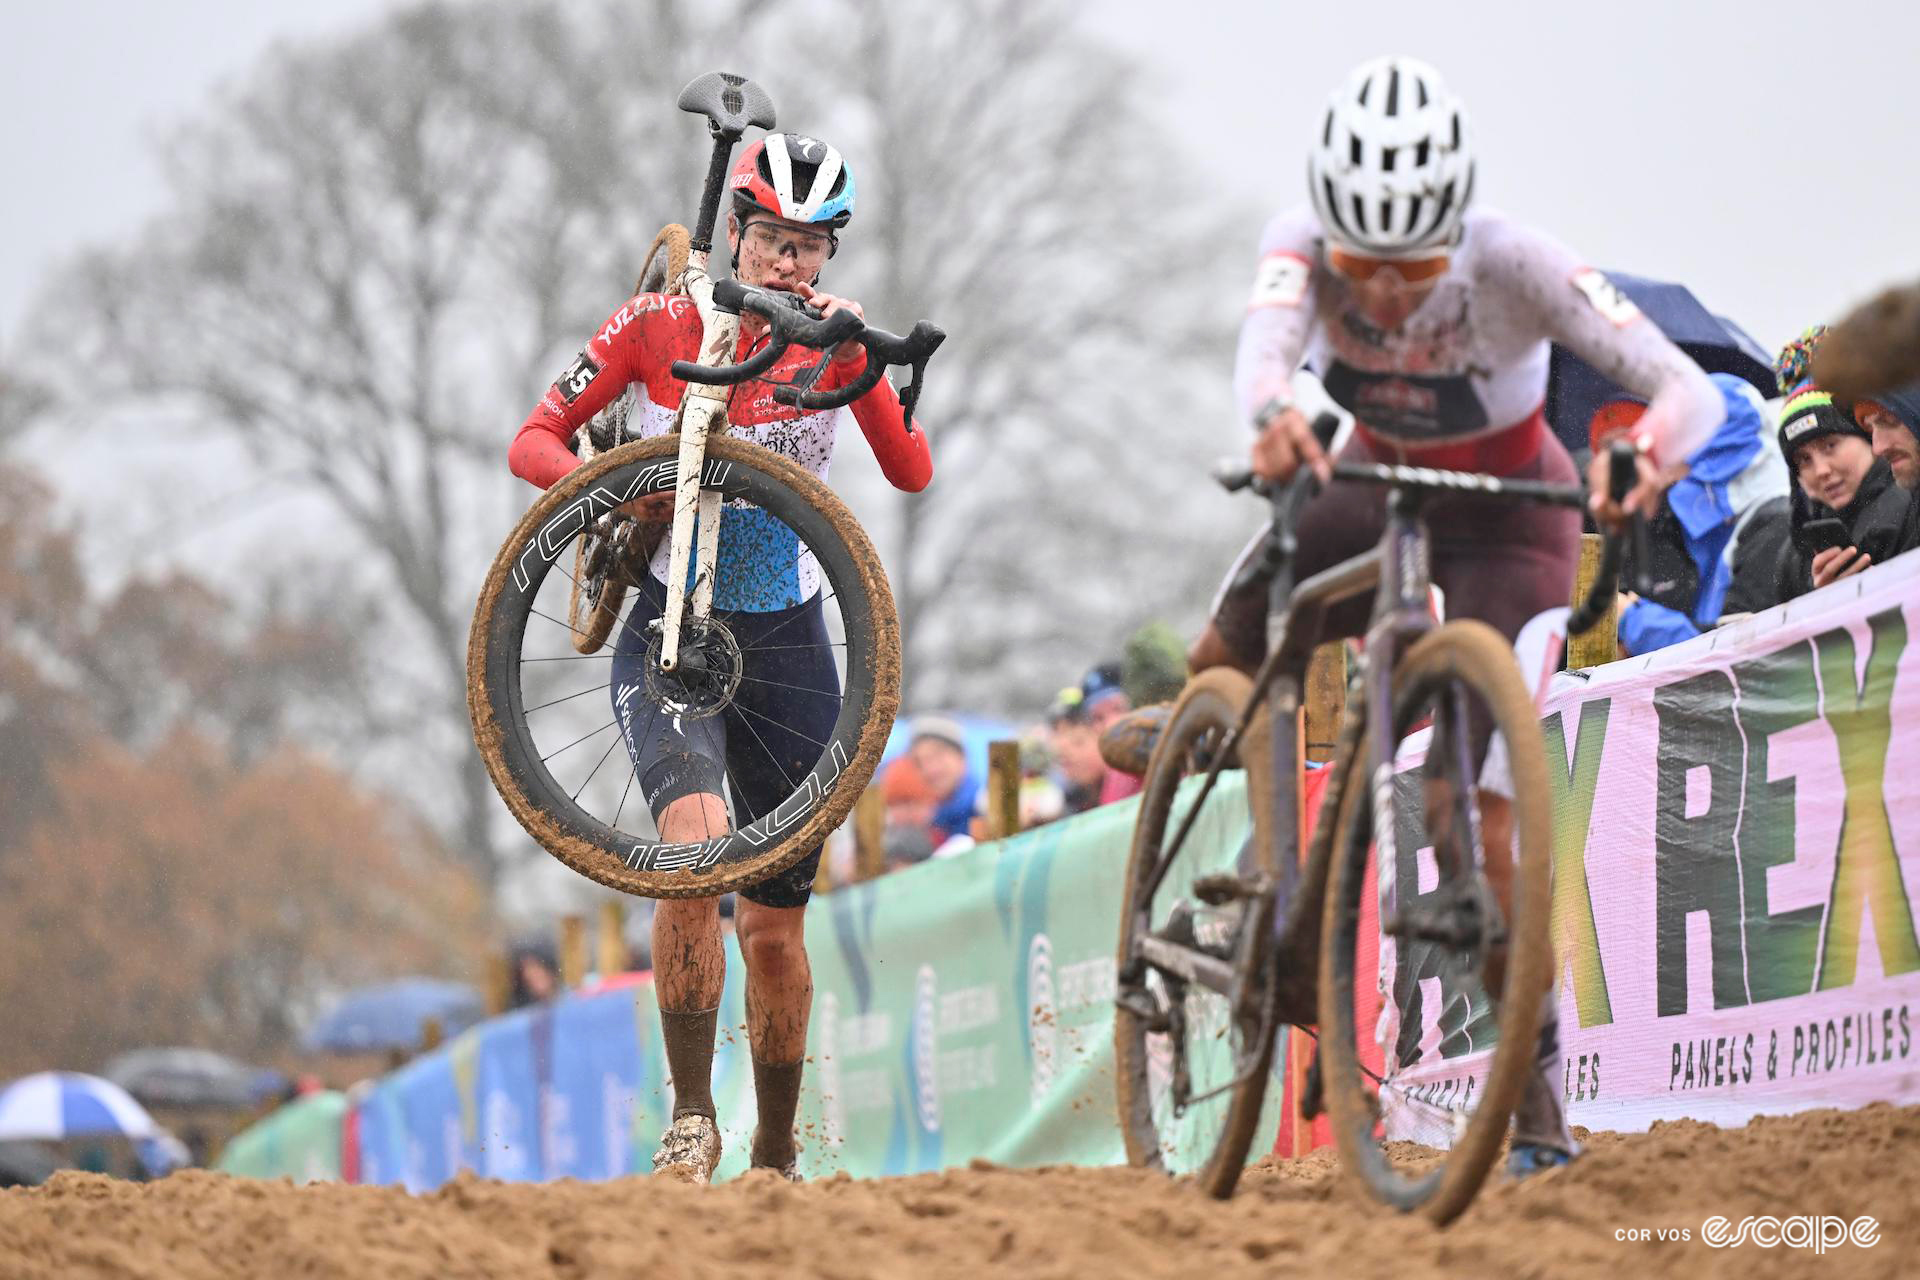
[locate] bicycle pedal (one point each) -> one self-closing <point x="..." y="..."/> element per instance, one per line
<point x="1143" y="1006"/>
<point x="1222" y="887"/>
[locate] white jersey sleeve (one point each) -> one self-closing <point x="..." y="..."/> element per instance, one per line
<point x="1576" y="306"/>
<point x="1273" y="336"/>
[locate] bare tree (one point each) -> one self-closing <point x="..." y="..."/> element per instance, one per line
<point x="380" y="250"/>
<point x="1015" y="189"/>
<point x="375" y="254"/>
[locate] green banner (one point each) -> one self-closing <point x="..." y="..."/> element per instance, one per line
<point x="963" y="1010"/>
<point x="300" y="1141"/>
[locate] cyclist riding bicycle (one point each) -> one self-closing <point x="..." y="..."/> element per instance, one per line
<point x="1429" y="320"/>
<point x="791" y="196"/>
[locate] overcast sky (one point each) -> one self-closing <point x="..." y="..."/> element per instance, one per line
<point x="1763" y="152"/>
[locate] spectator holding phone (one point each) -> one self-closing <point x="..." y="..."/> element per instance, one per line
<point x="1847" y="512"/>
<point x="1720" y="521"/>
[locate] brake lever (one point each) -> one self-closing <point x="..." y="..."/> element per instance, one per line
<point x="930" y="337"/>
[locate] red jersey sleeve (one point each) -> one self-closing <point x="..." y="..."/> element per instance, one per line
<point x="613" y="358"/>
<point x="900" y="448"/>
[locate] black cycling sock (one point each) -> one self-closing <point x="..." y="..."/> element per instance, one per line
<point x="777" y="1086"/>
<point x="689" y="1040"/>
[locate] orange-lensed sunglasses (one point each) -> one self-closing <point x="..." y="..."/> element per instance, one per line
<point x="1360" y="269"/>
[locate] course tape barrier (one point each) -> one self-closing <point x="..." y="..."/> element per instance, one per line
<point x="963" y="1010"/>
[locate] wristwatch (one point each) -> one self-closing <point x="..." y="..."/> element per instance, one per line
<point x="1267" y="412"/>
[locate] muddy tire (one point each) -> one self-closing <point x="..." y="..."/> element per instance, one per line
<point x="1473" y="658"/>
<point x="1215" y="1144"/>
<point x="635" y="862"/>
<point x="666" y="261"/>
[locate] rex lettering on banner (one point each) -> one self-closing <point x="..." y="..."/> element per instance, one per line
<point x="1736" y="868"/>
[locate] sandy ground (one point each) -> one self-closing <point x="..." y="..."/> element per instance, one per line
<point x="1295" y="1217"/>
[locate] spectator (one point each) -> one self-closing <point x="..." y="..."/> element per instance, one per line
<point x="910" y="801"/>
<point x="906" y="846"/>
<point x="939" y="750"/>
<point x="1717" y="504"/>
<point x="536" y="972"/>
<point x="1107" y="702"/>
<point x="1076" y="750"/>
<point x="1893" y="420"/>
<point x="1835" y="477"/>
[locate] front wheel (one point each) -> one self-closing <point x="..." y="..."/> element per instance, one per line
<point x="1191" y="1058"/>
<point x="1462" y="916"/>
<point x="549" y="719"/>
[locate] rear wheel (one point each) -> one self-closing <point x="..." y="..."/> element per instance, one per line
<point x="1191" y="1063"/>
<point x="1460" y="916"/>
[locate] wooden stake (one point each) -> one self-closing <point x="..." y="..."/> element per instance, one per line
<point x="431" y="1034"/>
<point x="1325" y="698"/>
<point x="611" y="945"/>
<point x="573" y="950"/>
<point x="869" y="834"/>
<point x="1003" y="790"/>
<point x="499" y="983"/>
<point x="1602" y="644"/>
<point x="823" y="875"/>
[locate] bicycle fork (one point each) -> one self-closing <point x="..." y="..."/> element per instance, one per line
<point x="703" y="410"/>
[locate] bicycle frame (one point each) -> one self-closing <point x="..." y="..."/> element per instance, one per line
<point x="1398" y="571"/>
<point x="703" y="411"/>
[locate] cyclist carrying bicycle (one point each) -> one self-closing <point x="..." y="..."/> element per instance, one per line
<point x="1429" y="320"/>
<point x="791" y="196"/>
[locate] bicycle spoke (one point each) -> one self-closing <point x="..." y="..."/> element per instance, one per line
<point x="776" y="724"/>
<point x="575" y="657"/>
<point x="797" y="688"/>
<point x="569" y="698"/>
<point x="797" y="614"/>
<point x="769" y="750"/>
<point x="596" y="768"/>
<point x="565" y="626"/>
<point x="633" y="774"/>
<point x="779" y="648"/>
<point x="577" y="741"/>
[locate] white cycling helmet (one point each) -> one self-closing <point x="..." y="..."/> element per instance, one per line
<point x="1392" y="170"/>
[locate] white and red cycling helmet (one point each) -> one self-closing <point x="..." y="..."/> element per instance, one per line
<point x="792" y="176"/>
<point x="1391" y="172"/>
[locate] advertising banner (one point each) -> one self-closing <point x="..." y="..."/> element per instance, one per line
<point x="1737" y="854"/>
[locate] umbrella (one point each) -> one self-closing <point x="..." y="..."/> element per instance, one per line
<point x="388" y="1015"/>
<point x="1718" y="345"/>
<point x="182" y="1077"/>
<point x="55" y="1105"/>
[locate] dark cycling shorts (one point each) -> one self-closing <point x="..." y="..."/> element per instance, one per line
<point x="1501" y="563"/>
<point x="770" y="734"/>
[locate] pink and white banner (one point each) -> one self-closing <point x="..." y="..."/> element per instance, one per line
<point x="1737" y="859"/>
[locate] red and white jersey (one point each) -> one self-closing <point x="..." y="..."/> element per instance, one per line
<point x="1472" y="359"/>
<point x="637" y="347"/>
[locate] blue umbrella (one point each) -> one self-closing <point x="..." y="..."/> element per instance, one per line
<point x="1718" y="345"/>
<point x="388" y="1015"/>
<point x="56" y="1105"/>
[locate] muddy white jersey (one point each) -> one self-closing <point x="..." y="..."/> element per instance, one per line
<point x="1472" y="359"/>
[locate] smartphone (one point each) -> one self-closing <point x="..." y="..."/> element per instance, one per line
<point x="1826" y="533"/>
